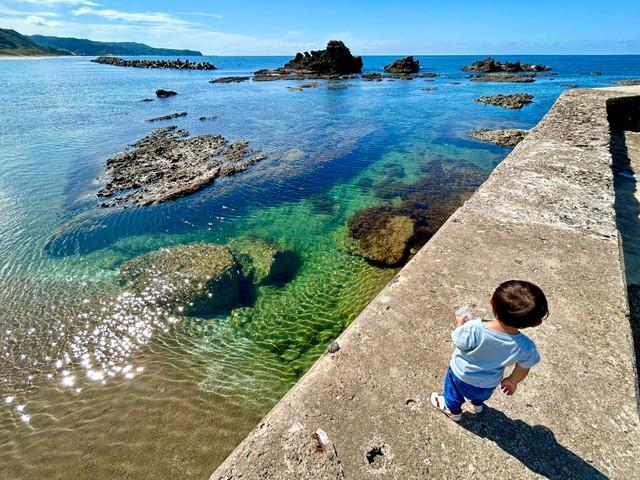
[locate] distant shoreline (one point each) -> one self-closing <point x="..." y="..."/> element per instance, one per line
<point x="35" y="57"/>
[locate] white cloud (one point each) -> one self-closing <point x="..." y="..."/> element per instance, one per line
<point x="158" y="18"/>
<point x="34" y="20"/>
<point x="21" y="13"/>
<point x="202" y="14"/>
<point x="50" y="3"/>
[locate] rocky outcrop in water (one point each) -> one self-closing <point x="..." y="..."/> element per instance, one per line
<point x="504" y="77"/>
<point x="513" y="101"/>
<point x="167" y="117"/>
<point x="168" y="164"/>
<point x="489" y="65"/>
<point x="229" y="80"/>
<point x="388" y="234"/>
<point x="508" y="137"/>
<point x="381" y="235"/>
<point x="161" y="93"/>
<point x="175" y="64"/>
<point x="404" y="65"/>
<point x="264" y="263"/>
<point x="334" y="62"/>
<point x="200" y="278"/>
<point x="377" y="77"/>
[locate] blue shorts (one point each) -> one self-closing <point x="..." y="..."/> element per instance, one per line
<point x="456" y="391"/>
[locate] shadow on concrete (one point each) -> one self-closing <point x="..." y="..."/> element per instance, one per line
<point x="535" y="447"/>
<point x="624" y="117"/>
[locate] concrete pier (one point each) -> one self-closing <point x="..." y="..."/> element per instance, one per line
<point x="546" y="214"/>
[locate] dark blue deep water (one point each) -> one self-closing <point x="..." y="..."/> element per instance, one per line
<point x="84" y="393"/>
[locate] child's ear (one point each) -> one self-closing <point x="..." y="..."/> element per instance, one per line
<point x="491" y="300"/>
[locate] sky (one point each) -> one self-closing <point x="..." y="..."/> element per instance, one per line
<point x="383" y="27"/>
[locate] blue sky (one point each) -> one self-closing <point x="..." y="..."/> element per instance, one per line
<point x="238" y="27"/>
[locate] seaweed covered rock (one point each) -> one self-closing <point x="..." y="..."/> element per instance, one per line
<point x="404" y="65"/>
<point x="381" y="235"/>
<point x="202" y="278"/>
<point x="334" y="61"/>
<point x="262" y="262"/>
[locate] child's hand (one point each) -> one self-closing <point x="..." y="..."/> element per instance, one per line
<point x="508" y="386"/>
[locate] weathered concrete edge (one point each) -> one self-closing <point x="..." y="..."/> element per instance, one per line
<point x="524" y="194"/>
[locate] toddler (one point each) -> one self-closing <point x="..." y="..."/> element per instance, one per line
<point x="485" y="347"/>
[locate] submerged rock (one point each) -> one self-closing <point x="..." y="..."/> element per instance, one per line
<point x="201" y="278"/>
<point x="426" y="204"/>
<point x="161" y="93"/>
<point x="508" y="137"/>
<point x="136" y="63"/>
<point x="229" y="80"/>
<point x="335" y="61"/>
<point x="373" y="77"/>
<point x="504" y="77"/>
<point x="404" y="65"/>
<point x="166" y="165"/>
<point x="513" y="101"/>
<point x="381" y="235"/>
<point x="489" y="65"/>
<point x="264" y="263"/>
<point x="167" y="117"/>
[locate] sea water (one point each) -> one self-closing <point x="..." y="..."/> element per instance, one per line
<point x="171" y="396"/>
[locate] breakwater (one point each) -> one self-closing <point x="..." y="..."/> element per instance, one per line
<point x="545" y="214"/>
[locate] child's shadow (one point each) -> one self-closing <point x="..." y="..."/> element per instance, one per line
<point x="535" y="446"/>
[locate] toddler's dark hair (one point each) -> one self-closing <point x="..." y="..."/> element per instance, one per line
<point x="519" y="304"/>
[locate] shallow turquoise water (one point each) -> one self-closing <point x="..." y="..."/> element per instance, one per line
<point x="184" y="391"/>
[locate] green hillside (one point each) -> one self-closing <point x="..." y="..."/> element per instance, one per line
<point x="80" y="46"/>
<point x="14" y="44"/>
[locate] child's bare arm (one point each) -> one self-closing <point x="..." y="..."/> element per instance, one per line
<point x="510" y="383"/>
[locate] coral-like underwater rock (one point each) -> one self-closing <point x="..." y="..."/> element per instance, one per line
<point x="202" y="278"/>
<point x="381" y="235"/>
<point x="262" y="262"/>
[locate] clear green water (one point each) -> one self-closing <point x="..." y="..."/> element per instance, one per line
<point x="184" y="391"/>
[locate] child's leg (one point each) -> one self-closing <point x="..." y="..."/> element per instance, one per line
<point x="478" y="396"/>
<point x="453" y="397"/>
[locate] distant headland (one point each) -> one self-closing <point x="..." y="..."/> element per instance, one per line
<point x="15" y="44"/>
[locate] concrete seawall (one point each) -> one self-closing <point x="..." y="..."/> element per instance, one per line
<point x="546" y="214"/>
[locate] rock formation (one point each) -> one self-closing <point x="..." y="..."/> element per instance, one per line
<point x="381" y="235"/>
<point x="198" y="278"/>
<point x="168" y="164"/>
<point x="176" y="64"/>
<point x="504" y="77"/>
<point x="508" y="137"/>
<point x="404" y="65"/>
<point x="513" y="101"/>
<point x="489" y="65"/>
<point x="167" y="117"/>
<point x="161" y="93"/>
<point x="333" y="62"/>
<point x="264" y="263"/>
<point x="229" y="80"/>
